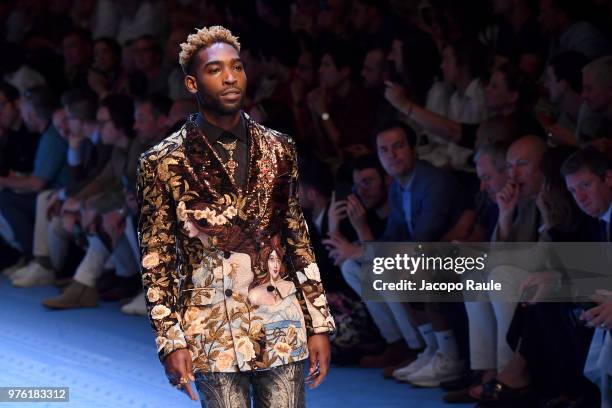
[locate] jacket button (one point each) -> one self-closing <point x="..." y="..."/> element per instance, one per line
<point x="228" y="292"/>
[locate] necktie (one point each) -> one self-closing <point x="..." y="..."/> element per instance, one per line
<point x="603" y="231"/>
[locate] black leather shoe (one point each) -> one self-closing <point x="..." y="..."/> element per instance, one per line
<point x="468" y="379"/>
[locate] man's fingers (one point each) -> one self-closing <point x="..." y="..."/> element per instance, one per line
<point x="312" y="361"/>
<point x="323" y="369"/>
<point x="187" y="389"/>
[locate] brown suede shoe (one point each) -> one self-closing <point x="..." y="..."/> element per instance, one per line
<point x="394" y="352"/>
<point x="74" y="296"/>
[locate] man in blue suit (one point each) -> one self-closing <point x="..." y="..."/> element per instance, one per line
<point x="426" y="203"/>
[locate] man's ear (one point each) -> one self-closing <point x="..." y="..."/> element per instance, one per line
<point x="514" y="97"/>
<point x="608" y="178"/>
<point x="190" y="84"/>
<point x="563" y="85"/>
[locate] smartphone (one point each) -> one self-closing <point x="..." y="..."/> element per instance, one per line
<point x="392" y="73"/>
<point x="343" y="190"/>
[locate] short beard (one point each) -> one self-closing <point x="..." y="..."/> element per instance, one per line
<point x="215" y="106"/>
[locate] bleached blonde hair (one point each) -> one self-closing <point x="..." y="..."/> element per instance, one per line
<point x="203" y="38"/>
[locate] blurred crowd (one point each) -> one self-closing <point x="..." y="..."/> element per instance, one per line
<point x="415" y="120"/>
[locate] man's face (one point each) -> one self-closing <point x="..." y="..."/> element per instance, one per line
<point x="60" y="123"/>
<point x="449" y="65"/>
<point x="597" y="97"/>
<point x="373" y="71"/>
<point x="9" y="113"/>
<point x="592" y="194"/>
<point x="491" y="179"/>
<point x="370" y="187"/>
<point x="305" y="69"/>
<point x="73" y="124"/>
<point x="497" y="95"/>
<point x="329" y="76"/>
<point x="146" y="125"/>
<point x="145" y="56"/>
<point x="109" y="134"/>
<point x="74" y="51"/>
<point x="395" y="154"/>
<point x="502" y="7"/>
<point x="218" y="80"/>
<point x="359" y="16"/>
<point x="547" y="18"/>
<point x="28" y="115"/>
<point x="556" y="89"/>
<point x="523" y="166"/>
<point x="304" y="198"/>
<point x="104" y="59"/>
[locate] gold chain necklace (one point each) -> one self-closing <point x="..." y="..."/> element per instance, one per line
<point x="231" y="164"/>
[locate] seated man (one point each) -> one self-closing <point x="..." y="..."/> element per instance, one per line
<point x="419" y="212"/>
<point x="589" y="179"/>
<point x="18" y="199"/>
<point x="356" y="331"/>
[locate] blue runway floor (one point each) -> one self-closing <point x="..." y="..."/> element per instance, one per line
<point x="108" y="359"/>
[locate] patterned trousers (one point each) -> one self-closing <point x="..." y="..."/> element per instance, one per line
<point x="278" y="387"/>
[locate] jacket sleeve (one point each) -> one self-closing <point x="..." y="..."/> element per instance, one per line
<point x="312" y="300"/>
<point x="157" y="228"/>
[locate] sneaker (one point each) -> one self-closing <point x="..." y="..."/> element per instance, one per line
<point x="137" y="306"/>
<point x="23" y="271"/>
<point x="422" y="360"/>
<point x="439" y="369"/>
<point x="10" y="271"/>
<point x="35" y="275"/>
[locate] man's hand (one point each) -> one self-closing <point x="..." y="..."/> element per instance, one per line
<point x="599" y="316"/>
<point x="180" y="372"/>
<point x="336" y="213"/>
<point x="54" y="205"/>
<point x="340" y="249"/>
<point x="356" y="213"/>
<point x="320" y="355"/>
<point x="538" y="286"/>
<point x="318" y="100"/>
<point x="507" y="199"/>
<point x="395" y="94"/>
<point x="113" y="223"/>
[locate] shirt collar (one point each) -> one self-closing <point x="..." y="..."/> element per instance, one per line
<point x="606" y="216"/>
<point x="409" y="184"/>
<point x="213" y="133"/>
<point x="472" y="89"/>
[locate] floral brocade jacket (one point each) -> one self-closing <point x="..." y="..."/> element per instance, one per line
<point x="210" y="254"/>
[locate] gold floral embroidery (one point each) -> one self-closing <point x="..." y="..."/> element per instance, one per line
<point x="186" y="279"/>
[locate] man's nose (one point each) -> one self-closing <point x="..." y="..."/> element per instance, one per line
<point x="230" y="78"/>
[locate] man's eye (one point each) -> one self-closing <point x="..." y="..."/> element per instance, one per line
<point x="238" y="67"/>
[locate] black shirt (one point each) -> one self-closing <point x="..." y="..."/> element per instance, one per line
<point x="18" y="150"/>
<point x="215" y="134"/>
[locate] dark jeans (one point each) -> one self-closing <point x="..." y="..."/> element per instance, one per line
<point x="278" y="387"/>
<point x="19" y="209"/>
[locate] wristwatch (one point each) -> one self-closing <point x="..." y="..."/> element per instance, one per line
<point x="325" y="116"/>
